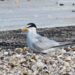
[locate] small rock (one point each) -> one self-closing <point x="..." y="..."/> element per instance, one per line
<point x="18" y="55"/>
<point x="5" y="53"/>
<point x="73" y="48"/>
<point x="18" y="50"/>
<point x="51" y="62"/>
<point x="2" y="58"/>
<point x="25" y="73"/>
<point x="33" y="57"/>
<point x="25" y="48"/>
<point x="63" y="51"/>
<point x="66" y="64"/>
<point x="40" y="64"/>
<point x="68" y="58"/>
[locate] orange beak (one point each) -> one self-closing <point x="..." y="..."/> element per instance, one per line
<point x="25" y="28"/>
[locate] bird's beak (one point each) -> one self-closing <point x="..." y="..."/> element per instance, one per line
<point x="25" y="28"/>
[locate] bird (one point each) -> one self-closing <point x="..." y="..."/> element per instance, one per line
<point x="37" y="42"/>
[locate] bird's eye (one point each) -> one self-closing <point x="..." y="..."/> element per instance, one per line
<point x="28" y="25"/>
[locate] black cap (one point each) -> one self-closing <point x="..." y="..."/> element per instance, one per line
<point x="32" y="25"/>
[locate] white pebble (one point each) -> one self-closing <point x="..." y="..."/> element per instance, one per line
<point x="63" y="51"/>
<point x="59" y="56"/>
<point x="5" y="53"/>
<point x="66" y="64"/>
<point x="18" y="55"/>
<point x="40" y="64"/>
<point x="68" y="58"/>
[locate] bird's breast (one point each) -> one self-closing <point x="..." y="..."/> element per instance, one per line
<point x="30" y="39"/>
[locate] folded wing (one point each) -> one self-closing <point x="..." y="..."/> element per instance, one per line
<point x="43" y="43"/>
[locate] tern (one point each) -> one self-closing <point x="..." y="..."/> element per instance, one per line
<point x="36" y="42"/>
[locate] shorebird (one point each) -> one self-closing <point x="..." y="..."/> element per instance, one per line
<point x="38" y="43"/>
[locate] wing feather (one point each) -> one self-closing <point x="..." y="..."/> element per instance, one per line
<point x="43" y="43"/>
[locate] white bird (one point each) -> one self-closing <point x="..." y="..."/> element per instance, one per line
<point x="36" y="42"/>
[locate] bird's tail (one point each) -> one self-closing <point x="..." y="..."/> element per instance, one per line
<point x="66" y="42"/>
<point x="62" y="44"/>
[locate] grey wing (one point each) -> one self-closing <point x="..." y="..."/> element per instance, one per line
<point x="44" y="43"/>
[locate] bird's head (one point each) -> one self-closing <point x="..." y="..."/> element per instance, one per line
<point x="29" y="25"/>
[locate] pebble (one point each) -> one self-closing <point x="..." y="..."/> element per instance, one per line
<point x="21" y="50"/>
<point x="18" y="50"/>
<point x="18" y="55"/>
<point x="25" y="49"/>
<point x="68" y="58"/>
<point x="73" y="48"/>
<point x="39" y="63"/>
<point x="66" y="64"/>
<point x="5" y="53"/>
<point x="25" y="73"/>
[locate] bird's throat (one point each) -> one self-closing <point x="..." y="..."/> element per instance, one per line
<point x="32" y="31"/>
